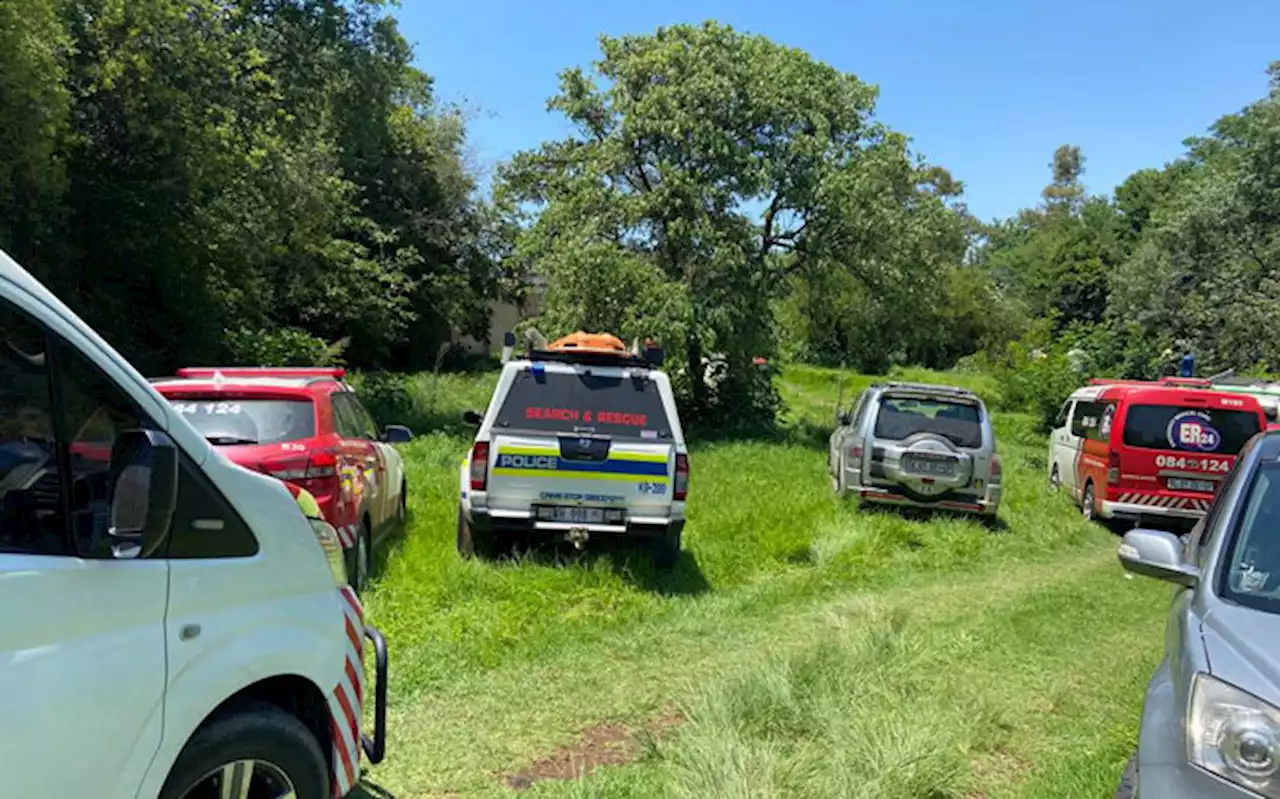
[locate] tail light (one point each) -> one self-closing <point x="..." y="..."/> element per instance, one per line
<point x="1113" y="468"/>
<point x="682" y="477"/>
<point x="325" y="533"/>
<point x="855" y="452"/>
<point x="479" y="466"/>
<point x="321" y="464"/>
<point x="995" y="467"/>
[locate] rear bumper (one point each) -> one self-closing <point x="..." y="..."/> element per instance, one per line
<point x="522" y="523"/>
<point x="985" y="505"/>
<point x="1136" y="508"/>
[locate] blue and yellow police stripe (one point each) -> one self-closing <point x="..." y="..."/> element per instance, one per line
<point x="630" y="467"/>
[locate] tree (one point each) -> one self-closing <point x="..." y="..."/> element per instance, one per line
<point x="710" y="170"/>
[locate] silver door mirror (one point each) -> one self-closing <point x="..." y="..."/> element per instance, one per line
<point x="1158" y="554"/>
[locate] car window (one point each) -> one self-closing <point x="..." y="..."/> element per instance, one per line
<point x="625" y="407"/>
<point x="958" y="422"/>
<point x="248" y="420"/>
<point x="1086" y="417"/>
<point x="1180" y="428"/>
<point x="94" y="414"/>
<point x="31" y="488"/>
<point x="368" y="427"/>
<point x="1063" y="413"/>
<point x="860" y="411"/>
<point x="345" y="417"/>
<point x="1203" y="530"/>
<point x="1251" y="575"/>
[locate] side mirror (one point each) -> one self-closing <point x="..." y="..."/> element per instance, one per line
<point x="843" y="419"/>
<point x="144" y="492"/>
<point x="472" y="418"/>
<point x="397" y="434"/>
<point x="1155" y="553"/>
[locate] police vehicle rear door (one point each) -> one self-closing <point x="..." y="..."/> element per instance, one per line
<point x="582" y="445"/>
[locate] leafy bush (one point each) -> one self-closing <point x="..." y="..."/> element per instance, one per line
<point x="286" y="346"/>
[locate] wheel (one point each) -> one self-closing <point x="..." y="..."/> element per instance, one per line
<point x="473" y="543"/>
<point x="253" y="750"/>
<point x="402" y="512"/>
<point x="666" y="550"/>
<point x="1087" y="505"/>
<point x="359" y="559"/>
<point x="1055" y="479"/>
<point x="1128" y="787"/>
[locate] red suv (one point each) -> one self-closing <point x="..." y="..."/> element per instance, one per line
<point x="305" y="426"/>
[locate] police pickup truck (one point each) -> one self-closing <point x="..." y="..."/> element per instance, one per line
<point x="581" y="440"/>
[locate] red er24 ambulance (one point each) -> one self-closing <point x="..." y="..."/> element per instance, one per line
<point x="1139" y="452"/>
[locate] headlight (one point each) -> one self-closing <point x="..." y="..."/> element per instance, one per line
<point x="332" y="546"/>
<point x="1234" y="735"/>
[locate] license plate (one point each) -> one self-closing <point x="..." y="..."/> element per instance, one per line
<point x="1183" y="484"/>
<point x="930" y="466"/>
<point x="579" y="515"/>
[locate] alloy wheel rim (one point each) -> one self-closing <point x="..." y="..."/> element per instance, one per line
<point x="244" y="779"/>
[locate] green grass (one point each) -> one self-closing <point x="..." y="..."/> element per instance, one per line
<point x="812" y="649"/>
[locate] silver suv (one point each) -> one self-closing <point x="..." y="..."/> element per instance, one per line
<point x="1211" y="720"/>
<point x="917" y="444"/>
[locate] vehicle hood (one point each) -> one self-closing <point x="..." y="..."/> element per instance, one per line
<point x="1243" y="648"/>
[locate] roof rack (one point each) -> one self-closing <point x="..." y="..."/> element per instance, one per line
<point x="209" y="372"/>
<point x="592" y="358"/>
<point x="1168" y="380"/>
<point x="935" y="388"/>
<point x="598" y="349"/>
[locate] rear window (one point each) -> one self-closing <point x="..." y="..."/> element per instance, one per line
<point x="248" y="421"/>
<point x="1174" y="427"/>
<point x="958" y="422"/>
<point x="629" y="407"/>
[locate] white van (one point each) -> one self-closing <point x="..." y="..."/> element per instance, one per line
<point x="174" y="626"/>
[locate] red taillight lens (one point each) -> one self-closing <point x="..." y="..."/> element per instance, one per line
<point x="855" y="452"/>
<point x="1113" y="468"/>
<point x="317" y="465"/>
<point x="682" y="477"/>
<point x="995" y="466"/>
<point x="479" y="465"/>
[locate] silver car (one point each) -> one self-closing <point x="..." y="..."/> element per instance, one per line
<point x="1211" y="720"/>
<point x="920" y="445"/>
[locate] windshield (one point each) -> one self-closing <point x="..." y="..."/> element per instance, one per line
<point x="248" y="421"/>
<point x="1252" y="573"/>
<point x="958" y="422"/>
<point x="582" y="402"/>
<point x="1174" y="427"/>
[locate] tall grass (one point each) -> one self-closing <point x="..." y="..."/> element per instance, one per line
<point x="496" y="663"/>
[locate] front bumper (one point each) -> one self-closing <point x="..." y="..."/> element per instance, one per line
<point x="987" y="505"/>
<point x="375" y="746"/>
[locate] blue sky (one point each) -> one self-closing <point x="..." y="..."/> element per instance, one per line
<point x="985" y="89"/>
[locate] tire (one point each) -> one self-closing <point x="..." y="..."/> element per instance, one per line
<point x="474" y="543"/>
<point x="1088" y="505"/>
<point x="402" y="512"/>
<point x="1055" y="480"/>
<point x="252" y="731"/>
<point x="1128" y="787"/>
<point x="360" y="559"/>
<point x="666" y="550"/>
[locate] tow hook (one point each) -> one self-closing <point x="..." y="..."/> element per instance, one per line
<point x="578" y="536"/>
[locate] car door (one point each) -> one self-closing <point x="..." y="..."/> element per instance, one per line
<point x="360" y="457"/>
<point x="385" y="459"/>
<point x="1062" y="446"/>
<point x="83" y="641"/>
